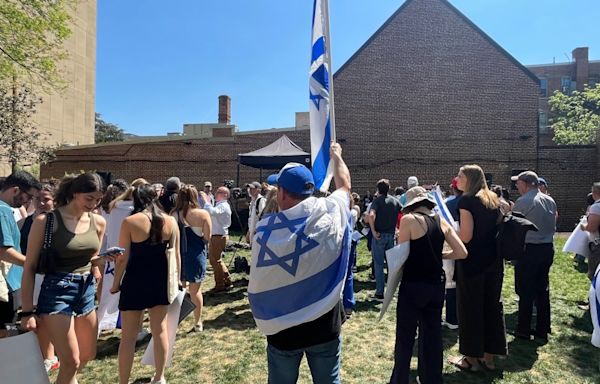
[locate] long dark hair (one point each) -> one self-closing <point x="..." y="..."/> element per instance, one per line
<point x="84" y="183"/>
<point x="145" y="198"/>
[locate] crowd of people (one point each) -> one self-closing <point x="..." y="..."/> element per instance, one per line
<point x="304" y="251"/>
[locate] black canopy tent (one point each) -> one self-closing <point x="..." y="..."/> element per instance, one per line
<point x="273" y="156"/>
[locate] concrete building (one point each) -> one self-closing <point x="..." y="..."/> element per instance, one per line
<point x="564" y="77"/>
<point x="68" y="117"/>
<point x="426" y="94"/>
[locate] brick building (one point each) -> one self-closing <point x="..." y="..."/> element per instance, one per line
<point x="564" y="77"/>
<point x="427" y="93"/>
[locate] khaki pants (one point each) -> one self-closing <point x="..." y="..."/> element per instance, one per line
<point x="217" y="245"/>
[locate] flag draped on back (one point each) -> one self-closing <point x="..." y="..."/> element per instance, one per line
<point x="322" y="123"/>
<point x="299" y="262"/>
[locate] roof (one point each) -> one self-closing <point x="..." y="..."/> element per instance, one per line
<point x="462" y="16"/>
<point x="275" y="155"/>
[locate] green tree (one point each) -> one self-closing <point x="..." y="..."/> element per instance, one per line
<point x="32" y="33"/>
<point x="106" y="132"/>
<point x="20" y="141"/>
<point x="576" y="118"/>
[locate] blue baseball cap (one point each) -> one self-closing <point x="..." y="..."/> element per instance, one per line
<point x="296" y="178"/>
<point x="272" y="179"/>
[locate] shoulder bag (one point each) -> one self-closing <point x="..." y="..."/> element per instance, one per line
<point x="173" y="273"/>
<point x="47" y="260"/>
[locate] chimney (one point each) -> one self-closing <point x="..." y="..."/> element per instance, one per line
<point x="224" y="109"/>
<point x="582" y="67"/>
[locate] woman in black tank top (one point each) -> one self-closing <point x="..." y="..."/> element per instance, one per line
<point x="421" y="293"/>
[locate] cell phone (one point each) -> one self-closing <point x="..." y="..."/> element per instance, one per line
<point x="112" y="251"/>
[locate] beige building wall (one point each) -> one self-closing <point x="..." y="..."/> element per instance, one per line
<point x="68" y="117"/>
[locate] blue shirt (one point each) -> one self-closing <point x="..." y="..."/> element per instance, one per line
<point x="10" y="236"/>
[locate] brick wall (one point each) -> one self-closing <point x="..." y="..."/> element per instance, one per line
<point x="570" y="172"/>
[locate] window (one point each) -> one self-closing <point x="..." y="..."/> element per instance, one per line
<point x="543" y="87"/>
<point x="565" y="85"/>
<point x="543" y="122"/>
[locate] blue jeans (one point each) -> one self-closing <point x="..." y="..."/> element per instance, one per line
<point x="323" y="360"/>
<point x="69" y="294"/>
<point x="385" y="242"/>
<point x="348" y="298"/>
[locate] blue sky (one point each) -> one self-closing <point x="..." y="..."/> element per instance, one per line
<point x="162" y="64"/>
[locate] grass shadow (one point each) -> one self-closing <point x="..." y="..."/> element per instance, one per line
<point x="232" y="318"/>
<point x="238" y="292"/>
<point x="142" y="380"/>
<point x="107" y="348"/>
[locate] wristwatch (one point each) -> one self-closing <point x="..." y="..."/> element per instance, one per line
<point x="25" y="314"/>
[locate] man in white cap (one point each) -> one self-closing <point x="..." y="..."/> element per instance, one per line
<point x="531" y="272"/>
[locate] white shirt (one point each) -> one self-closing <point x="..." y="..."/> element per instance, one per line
<point x="220" y="216"/>
<point x="253" y="217"/>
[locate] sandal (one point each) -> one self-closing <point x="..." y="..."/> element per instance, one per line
<point x="487" y="366"/>
<point x="463" y="364"/>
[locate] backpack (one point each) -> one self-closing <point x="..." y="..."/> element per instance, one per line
<point x="510" y="238"/>
<point x="240" y="265"/>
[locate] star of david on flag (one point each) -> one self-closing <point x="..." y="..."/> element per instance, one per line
<point x="322" y="123"/>
<point x="289" y="262"/>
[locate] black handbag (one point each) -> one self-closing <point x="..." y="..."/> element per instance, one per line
<point x="47" y="260"/>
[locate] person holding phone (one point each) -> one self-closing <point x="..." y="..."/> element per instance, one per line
<point x="66" y="301"/>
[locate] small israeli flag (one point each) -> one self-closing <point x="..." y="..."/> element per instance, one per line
<point x="594" y="296"/>
<point x="441" y="207"/>
<point x="322" y="122"/>
<point x="299" y="262"/>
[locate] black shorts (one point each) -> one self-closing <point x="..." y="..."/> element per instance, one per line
<point x="7" y="313"/>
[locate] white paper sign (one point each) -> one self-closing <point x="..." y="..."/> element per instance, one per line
<point x="396" y="257"/>
<point x="21" y="360"/>
<point x="172" y="323"/>
<point x="578" y="241"/>
<point x="108" y="307"/>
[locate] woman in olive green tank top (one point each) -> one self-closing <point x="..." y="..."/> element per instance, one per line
<point x="66" y="302"/>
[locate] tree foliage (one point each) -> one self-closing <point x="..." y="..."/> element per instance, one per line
<point x="32" y="33"/>
<point x="106" y="132"/>
<point x="20" y="141"/>
<point x="576" y="117"/>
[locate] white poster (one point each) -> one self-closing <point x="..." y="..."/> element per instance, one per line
<point x="396" y="257"/>
<point x="108" y="307"/>
<point x="578" y="241"/>
<point x="172" y="323"/>
<point x="21" y="360"/>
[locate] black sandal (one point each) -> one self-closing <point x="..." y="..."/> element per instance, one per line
<point x="464" y="364"/>
<point x="486" y="366"/>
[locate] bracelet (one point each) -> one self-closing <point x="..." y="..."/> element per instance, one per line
<point x="25" y="314"/>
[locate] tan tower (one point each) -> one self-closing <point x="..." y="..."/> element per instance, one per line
<point x="68" y="117"/>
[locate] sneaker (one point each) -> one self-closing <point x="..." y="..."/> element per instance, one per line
<point x="198" y="327"/>
<point x="161" y="381"/>
<point x="51" y="364"/>
<point x="142" y="334"/>
<point x="449" y="325"/>
<point x="377" y="297"/>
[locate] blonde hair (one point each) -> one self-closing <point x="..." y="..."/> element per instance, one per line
<point x="187" y="198"/>
<point x="477" y="186"/>
<point x="128" y="194"/>
<point x="271" y="205"/>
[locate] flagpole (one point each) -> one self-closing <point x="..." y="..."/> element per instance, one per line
<point x="325" y="4"/>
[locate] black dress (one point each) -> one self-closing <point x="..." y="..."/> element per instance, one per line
<point x="145" y="282"/>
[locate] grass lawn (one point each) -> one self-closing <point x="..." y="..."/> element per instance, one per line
<point x="231" y="350"/>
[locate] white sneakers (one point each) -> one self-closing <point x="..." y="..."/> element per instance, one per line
<point x="161" y="381"/>
<point x="51" y="364"/>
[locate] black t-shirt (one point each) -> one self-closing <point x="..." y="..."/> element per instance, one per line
<point x="482" y="247"/>
<point x="168" y="200"/>
<point x="386" y="210"/>
<point x="322" y="330"/>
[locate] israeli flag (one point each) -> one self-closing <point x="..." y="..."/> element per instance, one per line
<point x="322" y="123"/>
<point x="594" y="297"/>
<point x="441" y="208"/>
<point x="299" y="262"/>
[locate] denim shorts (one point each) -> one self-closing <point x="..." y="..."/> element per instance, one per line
<point x="70" y="294"/>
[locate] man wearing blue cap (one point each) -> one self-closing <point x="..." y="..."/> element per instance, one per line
<point x="299" y="261"/>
